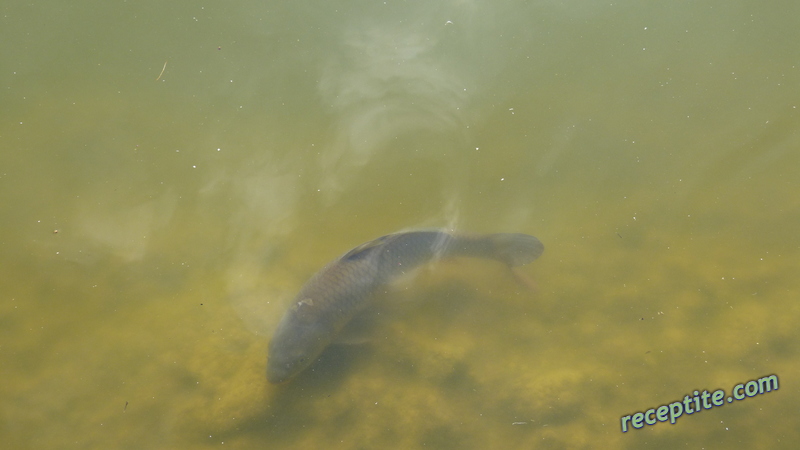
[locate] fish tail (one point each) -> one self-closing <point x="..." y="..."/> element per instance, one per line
<point x="515" y="249"/>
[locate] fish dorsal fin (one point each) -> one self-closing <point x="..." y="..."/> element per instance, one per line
<point x="364" y="249"/>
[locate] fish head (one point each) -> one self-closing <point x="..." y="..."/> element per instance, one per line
<point x="295" y="346"/>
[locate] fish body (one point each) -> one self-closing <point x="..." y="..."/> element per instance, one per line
<point x="335" y="294"/>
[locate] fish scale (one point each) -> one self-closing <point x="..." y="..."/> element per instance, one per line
<point x="335" y="294"/>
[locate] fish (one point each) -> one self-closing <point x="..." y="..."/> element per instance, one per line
<point x="345" y="286"/>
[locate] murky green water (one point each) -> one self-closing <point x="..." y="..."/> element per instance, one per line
<point x="154" y="225"/>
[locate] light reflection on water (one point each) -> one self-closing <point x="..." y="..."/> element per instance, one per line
<point x="651" y="151"/>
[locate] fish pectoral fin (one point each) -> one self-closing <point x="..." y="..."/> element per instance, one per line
<point x="351" y="340"/>
<point x="362" y="329"/>
<point x="403" y="279"/>
<point x="523" y="279"/>
<point x="354" y="334"/>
